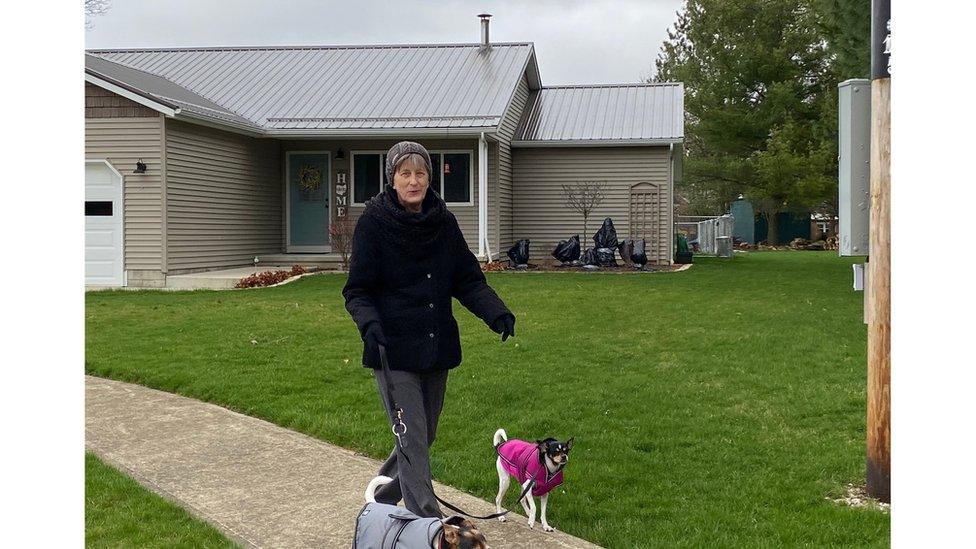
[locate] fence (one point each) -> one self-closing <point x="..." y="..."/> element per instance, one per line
<point x="706" y="230"/>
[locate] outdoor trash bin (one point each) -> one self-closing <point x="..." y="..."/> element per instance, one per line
<point x="723" y="246"/>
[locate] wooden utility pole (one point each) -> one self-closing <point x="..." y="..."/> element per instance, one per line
<point x="879" y="266"/>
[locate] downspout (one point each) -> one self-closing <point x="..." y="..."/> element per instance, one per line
<point x="671" y="231"/>
<point x="482" y="194"/>
<point x="164" y="222"/>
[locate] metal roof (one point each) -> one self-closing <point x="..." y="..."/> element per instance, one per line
<point x="162" y="90"/>
<point x="301" y="89"/>
<point x="612" y="113"/>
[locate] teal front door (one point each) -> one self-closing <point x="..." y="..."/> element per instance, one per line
<point x="308" y="201"/>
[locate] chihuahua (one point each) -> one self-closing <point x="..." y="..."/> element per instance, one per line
<point x="377" y="521"/>
<point x="541" y="464"/>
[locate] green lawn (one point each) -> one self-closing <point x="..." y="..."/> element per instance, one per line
<point x="121" y="513"/>
<point x="716" y="406"/>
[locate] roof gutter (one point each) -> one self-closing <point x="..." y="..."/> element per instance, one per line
<point x="596" y="142"/>
<point x="312" y="133"/>
<point x="220" y="124"/>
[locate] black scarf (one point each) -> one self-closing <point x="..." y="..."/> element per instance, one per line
<point x="413" y="233"/>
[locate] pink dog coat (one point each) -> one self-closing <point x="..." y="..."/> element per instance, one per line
<point x="521" y="460"/>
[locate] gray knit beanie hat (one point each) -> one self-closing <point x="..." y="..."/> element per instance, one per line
<point x="399" y="152"/>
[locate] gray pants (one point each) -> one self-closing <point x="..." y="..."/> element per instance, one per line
<point x="421" y="395"/>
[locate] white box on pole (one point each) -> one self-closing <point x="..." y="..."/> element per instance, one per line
<point x="853" y="166"/>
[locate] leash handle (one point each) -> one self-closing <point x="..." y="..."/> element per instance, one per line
<point x="399" y="428"/>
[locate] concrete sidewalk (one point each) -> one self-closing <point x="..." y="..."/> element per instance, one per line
<point x="260" y="484"/>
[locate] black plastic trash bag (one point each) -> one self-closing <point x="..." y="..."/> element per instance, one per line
<point x="519" y="253"/>
<point x="589" y="257"/>
<point x="625" y="248"/>
<point x="568" y="250"/>
<point x="605" y="257"/>
<point x="639" y="255"/>
<point x="606" y="237"/>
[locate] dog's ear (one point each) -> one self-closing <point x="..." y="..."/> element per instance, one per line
<point x="472" y="538"/>
<point x="452" y="535"/>
<point x="454" y="520"/>
<point x="569" y="444"/>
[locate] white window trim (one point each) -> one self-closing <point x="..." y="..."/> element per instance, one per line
<point x="328" y="182"/>
<point x="352" y="174"/>
<point x="469" y="152"/>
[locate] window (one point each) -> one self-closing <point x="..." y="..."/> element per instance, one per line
<point x="368" y="175"/>
<point x="451" y="176"/>
<point x="457" y="177"/>
<point x="98" y="208"/>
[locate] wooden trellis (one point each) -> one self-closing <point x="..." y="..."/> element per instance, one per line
<point x="644" y="213"/>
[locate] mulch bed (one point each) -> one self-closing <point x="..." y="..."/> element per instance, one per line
<point x="272" y="278"/>
<point x="556" y="267"/>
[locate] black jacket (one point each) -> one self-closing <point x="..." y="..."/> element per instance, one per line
<point x="405" y="279"/>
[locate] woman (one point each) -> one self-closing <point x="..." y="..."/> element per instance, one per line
<point x="408" y="260"/>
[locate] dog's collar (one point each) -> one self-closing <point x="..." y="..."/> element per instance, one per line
<point x="553" y="475"/>
<point x="542" y="461"/>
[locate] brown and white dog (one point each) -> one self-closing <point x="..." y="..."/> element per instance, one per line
<point x="455" y="532"/>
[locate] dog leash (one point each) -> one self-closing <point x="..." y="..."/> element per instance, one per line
<point x="491" y="516"/>
<point x="401" y="442"/>
<point x="397" y="410"/>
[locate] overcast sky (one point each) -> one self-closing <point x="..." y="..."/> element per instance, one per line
<point x="576" y="42"/>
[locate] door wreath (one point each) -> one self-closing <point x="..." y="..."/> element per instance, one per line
<point x="309" y="178"/>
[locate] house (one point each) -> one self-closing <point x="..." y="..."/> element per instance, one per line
<point x="201" y="159"/>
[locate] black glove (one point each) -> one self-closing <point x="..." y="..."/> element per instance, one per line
<point x="374" y="336"/>
<point x="504" y="325"/>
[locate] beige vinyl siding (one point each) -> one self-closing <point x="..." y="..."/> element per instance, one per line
<point x="223" y="198"/>
<point x="504" y="188"/>
<point x="541" y="215"/>
<point x="123" y="141"/>
<point x="101" y="103"/>
<point x="467" y="215"/>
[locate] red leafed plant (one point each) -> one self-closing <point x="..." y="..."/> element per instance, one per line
<point x="269" y="278"/>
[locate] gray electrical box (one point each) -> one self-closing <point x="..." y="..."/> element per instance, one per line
<point x="854" y="165"/>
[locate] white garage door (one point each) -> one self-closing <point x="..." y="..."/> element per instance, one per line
<point x="103" y="225"/>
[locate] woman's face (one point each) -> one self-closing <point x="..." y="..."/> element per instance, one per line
<point x="410" y="179"/>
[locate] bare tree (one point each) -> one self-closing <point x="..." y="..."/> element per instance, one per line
<point x="584" y="197"/>
<point x="340" y="238"/>
<point x="93" y="8"/>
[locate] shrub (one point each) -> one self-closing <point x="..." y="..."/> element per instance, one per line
<point x="340" y="237"/>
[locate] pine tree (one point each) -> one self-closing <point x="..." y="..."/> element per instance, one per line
<point x="761" y="98"/>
